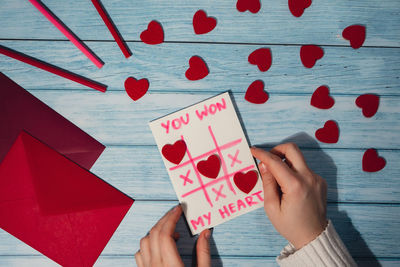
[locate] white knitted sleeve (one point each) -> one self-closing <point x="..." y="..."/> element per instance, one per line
<point x="326" y="250"/>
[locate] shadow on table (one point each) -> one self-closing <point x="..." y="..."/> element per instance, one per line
<point x="322" y="164"/>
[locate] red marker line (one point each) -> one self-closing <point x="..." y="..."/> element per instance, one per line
<point x="51" y="68"/>
<point x="112" y="28"/>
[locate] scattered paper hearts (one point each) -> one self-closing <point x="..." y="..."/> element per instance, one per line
<point x="309" y="54"/>
<point x="355" y="34"/>
<point x="202" y="23"/>
<point x="210" y="167"/>
<point x="255" y="93"/>
<point x="197" y="69"/>
<point x="297" y="7"/>
<point x="174" y="153"/>
<point x="369" y="104"/>
<point x="329" y="133"/>
<point x="136" y="88"/>
<point x="321" y="98"/>
<point x="245" y="181"/>
<point x="154" y="34"/>
<point x="251" y="5"/>
<point x="371" y="162"/>
<point x="262" y="58"/>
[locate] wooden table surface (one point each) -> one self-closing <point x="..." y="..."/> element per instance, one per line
<point x="365" y="207"/>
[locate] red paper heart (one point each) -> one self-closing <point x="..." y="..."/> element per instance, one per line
<point x="255" y="93"/>
<point x="154" y="34"/>
<point x="210" y="167"/>
<point x="355" y="34"/>
<point x="297" y="7"/>
<point x="136" y="88"/>
<point x="329" y="133"/>
<point x="174" y="153"/>
<point x="262" y="58"/>
<point x="321" y="98"/>
<point x="309" y="54"/>
<point x="251" y="5"/>
<point x="203" y="24"/>
<point x="197" y="69"/>
<point x="245" y="181"/>
<point x="371" y="162"/>
<point x="369" y="104"/>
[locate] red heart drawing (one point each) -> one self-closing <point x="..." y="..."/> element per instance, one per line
<point x="371" y="162"/>
<point x="197" y="69"/>
<point x="255" y="93"/>
<point x="369" y="104"/>
<point x="329" y="133"/>
<point x="251" y="5"/>
<point x="203" y="24"/>
<point x="297" y="7"/>
<point x="174" y="153"/>
<point x="210" y="167"/>
<point x="136" y="88"/>
<point x="245" y="181"/>
<point x="321" y="98"/>
<point x="309" y="54"/>
<point x="262" y="58"/>
<point x="154" y="34"/>
<point x="355" y="34"/>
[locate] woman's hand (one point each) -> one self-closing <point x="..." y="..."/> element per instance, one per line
<point x="158" y="248"/>
<point x="294" y="196"/>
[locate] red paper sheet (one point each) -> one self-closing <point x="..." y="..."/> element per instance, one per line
<point x="19" y="110"/>
<point x="56" y="206"/>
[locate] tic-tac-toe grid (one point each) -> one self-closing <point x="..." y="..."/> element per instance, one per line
<point x="225" y="176"/>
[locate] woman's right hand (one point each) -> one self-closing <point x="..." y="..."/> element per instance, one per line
<point x="294" y="196"/>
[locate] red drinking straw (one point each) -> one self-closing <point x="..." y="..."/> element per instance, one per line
<point x="67" y="32"/>
<point x="53" y="69"/>
<point x="112" y="28"/>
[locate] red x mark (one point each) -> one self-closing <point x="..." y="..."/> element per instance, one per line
<point x="186" y="178"/>
<point x="234" y="158"/>
<point x="219" y="192"/>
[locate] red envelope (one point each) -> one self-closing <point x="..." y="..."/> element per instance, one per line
<point x="19" y="110"/>
<point x="55" y="206"/>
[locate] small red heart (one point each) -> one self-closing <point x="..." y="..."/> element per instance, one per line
<point x="321" y="98"/>
<point x="174" y="153"/>
<point x="136" y="88"/>
<point x="371" y="162"/>
<point x="197" y="69"/>
<point x="203" y="24"/>
<point x="154" y="34"/>
<point x="251" y="5"/>
<point x="210" y="167"/>
<point x="329" y="133"/>
<point x="255" y="93"/>
<point x="369" y="104"/>
<point x="245" y="181"/>
<point x="262" y="58"/>
<point x="297" y="7"/>
<point x="355" y="34"/>
<point x="309" y="54"/>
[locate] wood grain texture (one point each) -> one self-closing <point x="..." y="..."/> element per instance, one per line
<point x="343" y="69"/>
<point x="322" y="23"/>
<point x="361" y="227"/>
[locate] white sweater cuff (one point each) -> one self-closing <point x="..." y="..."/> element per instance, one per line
<point x="326" y="250"/>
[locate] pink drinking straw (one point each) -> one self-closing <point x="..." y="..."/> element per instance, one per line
<point x="67" y="32"/>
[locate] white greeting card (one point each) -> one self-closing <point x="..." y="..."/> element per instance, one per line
<point x="209" y="162"/>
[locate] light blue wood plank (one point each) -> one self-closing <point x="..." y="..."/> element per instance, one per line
<point x="122" y="166"/>
<point x="114" y="119"/>
<point x="344" y="70"/>
<point x="375" y="229"/>
<point x="322" y="23"/>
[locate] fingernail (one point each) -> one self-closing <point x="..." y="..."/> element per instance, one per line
<point x="262" y="167"/>
<point x="175" y="208"/>
<point x="207" y="235"/>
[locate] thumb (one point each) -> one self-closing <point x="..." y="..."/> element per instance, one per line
<point x="203" y="249"/>
<point x="271" y="191"/>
